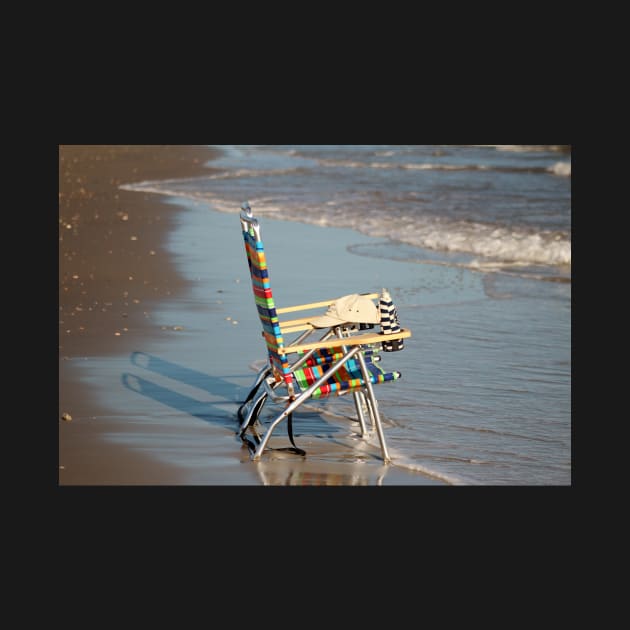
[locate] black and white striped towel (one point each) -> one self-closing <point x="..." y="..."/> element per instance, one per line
<point x="389" y="322"/>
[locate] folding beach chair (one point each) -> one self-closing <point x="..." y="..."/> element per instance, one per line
<point x="341" y="361"/>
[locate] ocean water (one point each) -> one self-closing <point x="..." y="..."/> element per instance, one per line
<point x="474" y="243"/>
<point x="504" y="206"/>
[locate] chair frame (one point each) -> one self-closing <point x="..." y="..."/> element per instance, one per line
<point x="347" y="337"/>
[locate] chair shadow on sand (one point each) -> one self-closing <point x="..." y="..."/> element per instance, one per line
<point x="226" y="391"/>
<point x="223" y="412"/>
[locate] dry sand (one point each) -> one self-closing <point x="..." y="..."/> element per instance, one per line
<point x="112" y="264"/>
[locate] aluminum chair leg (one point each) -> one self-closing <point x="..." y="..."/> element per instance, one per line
<point x="370" y="413"/>
<point x="375" y="414"/>
<point x="305" y="395"/>
<point x="359" y="401"/>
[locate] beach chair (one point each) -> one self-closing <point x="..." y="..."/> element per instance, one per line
<point x="342" y="360"/>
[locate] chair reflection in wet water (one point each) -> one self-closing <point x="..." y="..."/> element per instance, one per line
<point x="285" y="475"/>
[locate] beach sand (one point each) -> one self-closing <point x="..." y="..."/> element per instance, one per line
<point x="112" y="269"/>
<point x="151" y="364"/>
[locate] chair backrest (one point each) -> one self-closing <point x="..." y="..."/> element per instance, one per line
<point x="263" y="295"/>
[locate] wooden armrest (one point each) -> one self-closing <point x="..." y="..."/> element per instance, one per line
<point x="295" y="325"/>
<point x="295" y="322"/>
<point x="357" y="340"/>
<point x="304" y="307"/>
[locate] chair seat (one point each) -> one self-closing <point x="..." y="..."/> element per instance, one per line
<point x="346" y="379"/>
<point x="326" y="355"/>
